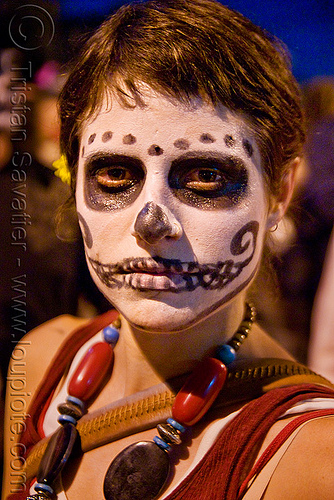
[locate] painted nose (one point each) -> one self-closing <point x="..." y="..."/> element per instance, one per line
<point x="155" y="222"/>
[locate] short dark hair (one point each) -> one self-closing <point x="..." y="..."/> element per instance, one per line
<point x="187" y="49"/>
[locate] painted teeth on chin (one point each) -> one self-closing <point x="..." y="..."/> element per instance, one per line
<point x="207" y="278"/>
<point x="114" y="283"/>
<point x="134" y="281"/>
<point x="189" y="282"/>
<point x="193" y="268"/>
<point x="174" y="267"/>
<point x="226" y="267"/>
<point x="151" y="265"/>
<point x="211" y="269"/>
<point x="160" y="267"/>
<point x="127" y="266"/>
<point x="215" y="282"/>
<point x="185" y="267"/>
<point x="128" y="280"/>
<point x="166" y="285"/>
<point x="195" y="281"/>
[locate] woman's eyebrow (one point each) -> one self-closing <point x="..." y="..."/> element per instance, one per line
<point x="101" y="156"/>
<point x="228" y="158"/>
<point x="97" y="155"/>
<point x="215" y="156"/>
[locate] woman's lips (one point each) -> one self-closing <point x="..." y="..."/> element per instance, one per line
<point x="169" y="275"/>
<point x="158" y="274"/>
<point x="148" y="281"/>
<point x="157" y="266"/>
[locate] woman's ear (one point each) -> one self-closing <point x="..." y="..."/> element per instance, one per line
<point x="279" y="203"/>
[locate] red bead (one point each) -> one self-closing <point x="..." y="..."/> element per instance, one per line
<point x="199" y="391"/>
<point x="91" y="371"/>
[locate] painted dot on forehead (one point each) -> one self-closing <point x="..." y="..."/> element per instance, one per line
<point x="229" y="141"/>
<point x="129" y="139"/>
<point x="181" y="144"/>
<point x="155" y="150"/>
<point x="106" y="136"/>
<point x="91" y="138"/>
<point x="207" y="138"/>
<point x="247" y="147"/>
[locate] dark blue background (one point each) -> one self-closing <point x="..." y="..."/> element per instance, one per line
<point x="306" y="26"/>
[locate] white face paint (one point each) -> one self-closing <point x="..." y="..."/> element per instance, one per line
<point x="173" y="209"/>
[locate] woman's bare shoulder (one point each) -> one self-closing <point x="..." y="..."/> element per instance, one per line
<point x="307" y="468"/>
<point x="36" y="349"/>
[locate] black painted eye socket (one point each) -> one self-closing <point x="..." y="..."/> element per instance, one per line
<point x="112" y="181"/>
<point x="115" y="178"/>
<point x="210" y="181"/>
<point x="205" y="180"/>
<point x="115" y="173"/>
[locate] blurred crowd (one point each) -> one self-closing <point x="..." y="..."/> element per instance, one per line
<point x="43" y="269"/>
<point x="300" y="244"/>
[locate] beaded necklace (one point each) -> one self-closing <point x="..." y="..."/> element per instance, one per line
<point x="142" y="469"/>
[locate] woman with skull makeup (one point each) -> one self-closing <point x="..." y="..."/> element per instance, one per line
<point x="182" y="130"/>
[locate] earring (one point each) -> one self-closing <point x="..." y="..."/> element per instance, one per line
<point x="274" y="228"/>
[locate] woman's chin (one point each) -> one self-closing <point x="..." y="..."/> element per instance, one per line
<point x="160" y="318"/>
<point x="162" y="312"/>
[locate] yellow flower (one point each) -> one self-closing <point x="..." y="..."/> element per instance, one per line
<point x="61" y="170"/>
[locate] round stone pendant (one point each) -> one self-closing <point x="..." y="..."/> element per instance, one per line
<point x="139" y="472"/>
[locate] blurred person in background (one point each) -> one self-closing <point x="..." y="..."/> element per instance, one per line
<point x="319" y="106"/>
<point x="299" y="245"/>
<point x="42" y="271"/>
<point x="321" y="348"/>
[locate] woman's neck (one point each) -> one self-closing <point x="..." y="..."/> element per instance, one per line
<point x="147" y="358"/>
<point x="144" y="359"/>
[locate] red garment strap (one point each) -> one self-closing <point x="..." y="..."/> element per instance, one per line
<point x="221" y="471"/>
<point x="52" y="377"/>
<point x="280" y="439"/>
